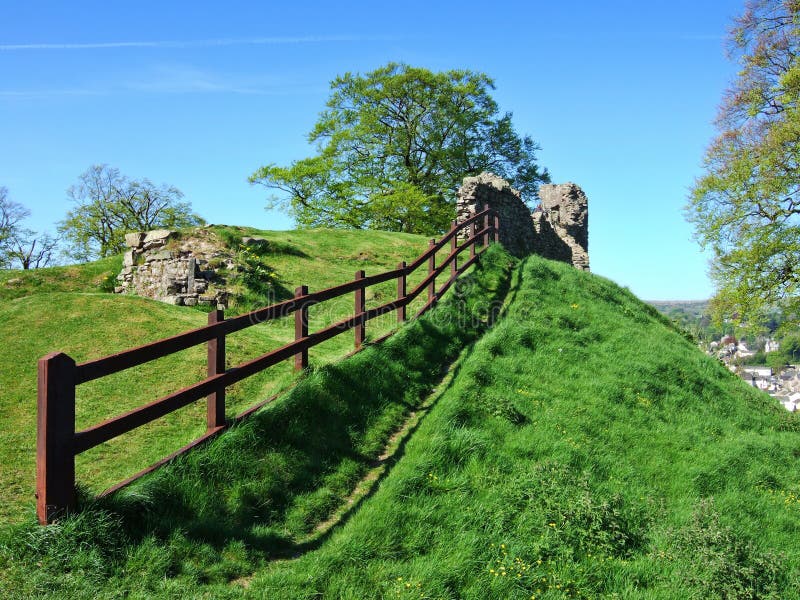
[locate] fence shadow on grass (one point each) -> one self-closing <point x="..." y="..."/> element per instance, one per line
<point x="272" y="479"/>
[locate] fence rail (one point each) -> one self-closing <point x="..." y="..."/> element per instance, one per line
<point x="58" y="443"/>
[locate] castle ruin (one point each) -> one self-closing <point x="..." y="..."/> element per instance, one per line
<point x="557" y="229"/>
<point x="189" y="271"/>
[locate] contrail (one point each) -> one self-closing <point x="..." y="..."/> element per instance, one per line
<point x="264" y="41"/>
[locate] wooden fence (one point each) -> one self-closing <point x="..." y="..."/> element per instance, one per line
<point x="58" y="443"/>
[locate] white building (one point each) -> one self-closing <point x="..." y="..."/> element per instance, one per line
<point x="756" y="372"/>
<point x="792" y="403"/>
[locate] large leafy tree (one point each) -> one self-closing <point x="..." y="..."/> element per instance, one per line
<point x="746" y="207"/>
<point x="108" y="205"/>
<point x="393" y="146"/>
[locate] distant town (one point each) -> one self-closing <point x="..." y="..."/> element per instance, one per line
<point x="781" y="383"/>
<point x="769" y="361"/>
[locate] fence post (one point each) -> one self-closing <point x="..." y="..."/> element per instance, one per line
<point x="485" y="230"/>
<point x="360" y="307"/>
<point x="472" y="231"/>
<point x="215" y="403"/>
<point x="401" y="293"/>
<point x="431" y="269"/>
<point x="301" y="329"/>
<point x="453" y="244"/>
<point x="496" y="227"/>
<point x="55" y="432"/>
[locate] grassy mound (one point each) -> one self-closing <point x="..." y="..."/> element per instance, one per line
<point x="586" y="450"/>
<point x="282" y="260"/>
<point x="261" y="489"/>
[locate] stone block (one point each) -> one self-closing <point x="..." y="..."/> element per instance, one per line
<point x="191" y="267"/>
<point x="161" y="255"/>
<point x="134" y="240"/>
<point x="157" y="235"/>
<point x="129" y="258"/>
<point x="254" y="241"/>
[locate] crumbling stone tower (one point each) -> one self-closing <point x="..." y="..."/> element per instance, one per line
<point x="561" y="222"/>
<point x="558" y="228"/>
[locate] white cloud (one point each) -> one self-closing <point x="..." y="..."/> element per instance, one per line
<point x="262" y="41"/>
<point x="184" y="79"/>
<point x="51" y="92"/>
<point x="178" y="79"/>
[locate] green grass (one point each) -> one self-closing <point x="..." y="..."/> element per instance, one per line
<point x="582" y="449"/>
<point x="86" y="326"/>
<point x="585" y="450"/>
<point x="92" y="277"/>
<point x="63" y="308"/>
<point x="260" y="490"/>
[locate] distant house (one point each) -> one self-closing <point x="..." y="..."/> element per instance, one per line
<point x="792" y="403"/>
<point x="756" y="372"/>
<point x="742" y="351"/>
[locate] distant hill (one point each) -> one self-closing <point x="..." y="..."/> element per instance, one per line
<point x="690" y="315"/>
<point x="695" y="308"/>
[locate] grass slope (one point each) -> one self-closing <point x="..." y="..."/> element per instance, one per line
<point x="260" y="490"/>
<point x="91" y="277"/>
<point x="61" y="308"/>
<point x="584" y="449"/>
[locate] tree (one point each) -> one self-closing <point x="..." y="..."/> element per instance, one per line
<point x="33" y="252"/>
<point x="11" y="216"/>
<point x="393" y="146"/>
<point x="20" y="246"/>
<point x="109" y="205"/>
<point x="746" y="207"/>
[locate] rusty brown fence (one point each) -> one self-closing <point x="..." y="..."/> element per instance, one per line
<point x="58" y="443"/>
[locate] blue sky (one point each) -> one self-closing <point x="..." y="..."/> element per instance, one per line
<point x="620" y="95"/>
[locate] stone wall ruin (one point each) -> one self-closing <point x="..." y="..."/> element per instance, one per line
<point x="557" y="229"/>
<point x="163" y="266"/>
<point x="561" y="222"/>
